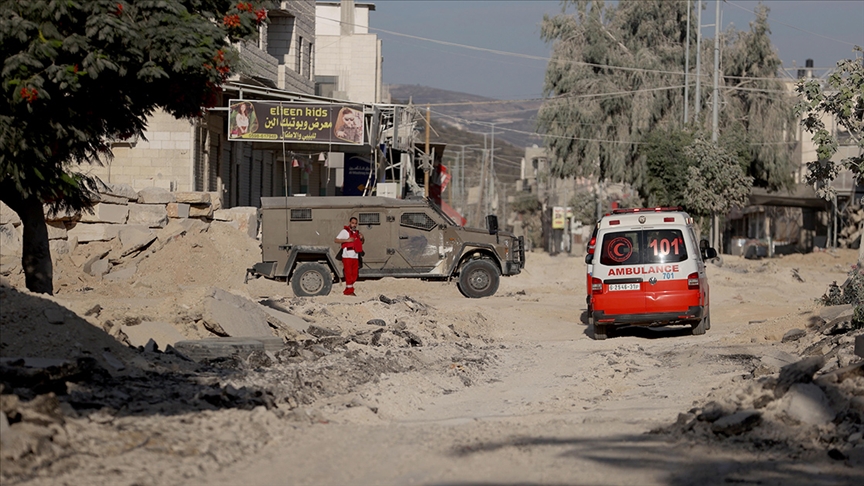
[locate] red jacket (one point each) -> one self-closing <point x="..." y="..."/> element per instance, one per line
<point x="357" y="244"/>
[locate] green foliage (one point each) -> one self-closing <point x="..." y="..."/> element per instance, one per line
<point x="843" y="99"/>
<point x="584" y="204"/>
<point x="851" y="292"/>
<point x="77" y="75"/>
<point x="759" y="112"/>
<point x="596" y="116"/>
<point x="526" y="204"/>
<point x="597" y="136"/>
<point x="715" y="181"/>
<point x="667" y="167"/>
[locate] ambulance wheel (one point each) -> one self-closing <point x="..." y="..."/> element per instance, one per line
<point x="599" y="332"/>
<point x="704" y="325"/>
<point x="311" y="279"/>
<point x="478" y="278"/>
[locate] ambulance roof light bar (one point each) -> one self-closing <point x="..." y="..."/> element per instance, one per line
<point x="647" y="210"/>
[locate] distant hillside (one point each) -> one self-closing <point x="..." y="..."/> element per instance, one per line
<point x="514" y="120"/>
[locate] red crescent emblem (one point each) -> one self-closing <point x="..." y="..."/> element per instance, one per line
<point x="620" y="249"/>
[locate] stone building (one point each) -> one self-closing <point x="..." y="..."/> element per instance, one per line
<point x="348" y="57"/>
<point x="194" y="155"/>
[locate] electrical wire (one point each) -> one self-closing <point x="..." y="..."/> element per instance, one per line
<point x="775" y="21"/>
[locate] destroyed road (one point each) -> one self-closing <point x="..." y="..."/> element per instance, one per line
<point x="424" y="386"/>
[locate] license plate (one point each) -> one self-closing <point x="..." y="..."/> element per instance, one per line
<point x="627" y="286"/>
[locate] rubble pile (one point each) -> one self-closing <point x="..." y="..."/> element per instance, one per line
<point x="806" y="399"/>
<point x="56" y="412"/>
<point x="852" y="229"/>
<point x="131" y="223"/>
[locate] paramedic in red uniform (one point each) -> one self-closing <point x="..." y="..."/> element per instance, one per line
<point x="352" y="248"/>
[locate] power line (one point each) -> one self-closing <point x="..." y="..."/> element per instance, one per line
<point x="545" y="58"/>
<point x="792" y="26"/>
<point x="561" y="97"/>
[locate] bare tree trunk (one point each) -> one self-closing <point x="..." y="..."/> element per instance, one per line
<point x="36" y="254"/>
<point x="861" y="247"/>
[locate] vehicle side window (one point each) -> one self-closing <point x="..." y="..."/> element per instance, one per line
<point x="418" y="220"/>
<point x="694" y="244"/>
<point x="369" y="218"/>
<point x="620" y="248"/>
<point x="664" y="246"/>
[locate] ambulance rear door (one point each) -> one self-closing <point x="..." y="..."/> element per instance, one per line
<point x="668" y="261"/>
<point x="617" y="268"/>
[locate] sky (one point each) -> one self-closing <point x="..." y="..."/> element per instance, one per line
<point x="822" y="30"/>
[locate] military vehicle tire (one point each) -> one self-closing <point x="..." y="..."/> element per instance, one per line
<point x="478" y="278"/>
<point x="311" y="279"/>
<point x="600" y="331"/>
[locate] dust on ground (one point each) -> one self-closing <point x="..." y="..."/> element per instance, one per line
<point x="446" y="389"/>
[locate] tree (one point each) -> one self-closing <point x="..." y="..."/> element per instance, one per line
<point x="757" y="106"/>
<point x="666" y="165"/>
<point x="615" y="78"/>
<point x="715" y="182"/>
<point x="843" y="100"/>
<point x="597" y="136"/>
<point x="77" y="75"/>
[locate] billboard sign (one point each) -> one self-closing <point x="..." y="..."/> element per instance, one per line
<point x="559" y="217"/>
<point x="277" y="121"/>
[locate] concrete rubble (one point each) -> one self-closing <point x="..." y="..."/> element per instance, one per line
<point x="50" y="408"/>
<point x="162" y="360"/>
<point x="811" y="397"/>
<point x="136" y="219"/>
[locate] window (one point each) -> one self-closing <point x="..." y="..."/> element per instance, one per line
<point x="643" y="247"/>
<point x="303" y="214"/>
<point x="326" y="85"/>
<point x="262" y="36"/>
<point x="664" y="246"/>
<point x="418" y="220"/>
<point x="299" y="59"/>
<point x="369" y="218"/>
<point x="310" y="73"/>
<point x="620" y="248"/>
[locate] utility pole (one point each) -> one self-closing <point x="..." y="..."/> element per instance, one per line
<point x="715" y="226"/>
<point x="432" y="163"/>
<point x="457" y="180"/>
<point x="698" y="101"/>
<point x="687" y="68"/>
<point x="715" y="115"/>
<point x="492" y="169"/>
<point x="481" y="202"/>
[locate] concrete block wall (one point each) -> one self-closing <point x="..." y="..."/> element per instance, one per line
<point x="163" y="160"/>
<point x="255" y="62"/>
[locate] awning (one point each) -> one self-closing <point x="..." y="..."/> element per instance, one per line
<point x="801" y="196"/>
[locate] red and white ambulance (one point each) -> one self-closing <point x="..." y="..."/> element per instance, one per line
<point x="647" y="269"/>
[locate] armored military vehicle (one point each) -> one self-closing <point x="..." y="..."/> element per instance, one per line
<point x="405" y="238"/>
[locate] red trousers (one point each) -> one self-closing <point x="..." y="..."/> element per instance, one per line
<point x="351" y="267"/>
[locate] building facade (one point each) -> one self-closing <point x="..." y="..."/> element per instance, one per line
<point x="348" y="57"/>
<point x="184" y="155"/>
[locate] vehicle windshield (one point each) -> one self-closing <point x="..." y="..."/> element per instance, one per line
<point x="442" y="214"/>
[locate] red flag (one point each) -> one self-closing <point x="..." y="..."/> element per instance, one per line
<point x="295" y="163"/>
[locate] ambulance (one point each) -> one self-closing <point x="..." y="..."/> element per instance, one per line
<point x="647" y="268"/>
